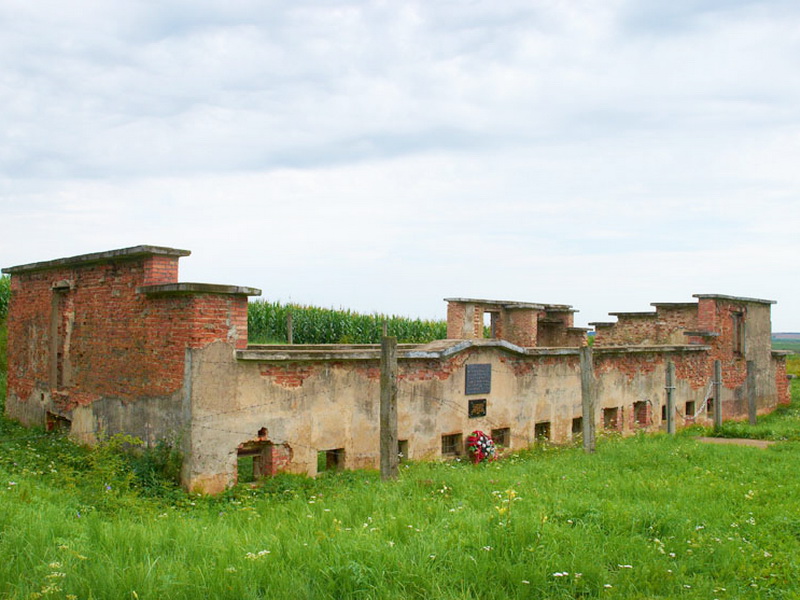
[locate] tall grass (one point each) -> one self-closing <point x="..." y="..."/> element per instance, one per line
<point x="267" y="323"/>
<point x="645" y="517"/>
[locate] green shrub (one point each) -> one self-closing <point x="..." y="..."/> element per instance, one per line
<point x="5" y="295"/>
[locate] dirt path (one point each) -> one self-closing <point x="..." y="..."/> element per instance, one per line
<point x="736" y="442"/>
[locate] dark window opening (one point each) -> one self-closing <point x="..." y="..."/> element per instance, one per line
<point x="663" y="412"/>
<point x="57" y="423"/>
<point x="611" y="419"/>
<point x="402" y="450"/>
<point x="330" y="460"/>
<point x="641" y="413"/>
<point x="689" y="412"/>
<point x="710" y="407"/>
<point x="577" y="426"/>
<point x="452" y="445"/>
<point x="58" y="331"/>
<point x="739" y="345"/>
<point x="541" y="431"/>
<point x="501" y="437"/>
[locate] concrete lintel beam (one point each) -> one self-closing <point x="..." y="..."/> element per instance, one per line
<point x="197" y="288"/>
<point x="97" y="257"/>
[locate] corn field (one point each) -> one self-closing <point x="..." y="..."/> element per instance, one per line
<point x="313" y="325"/>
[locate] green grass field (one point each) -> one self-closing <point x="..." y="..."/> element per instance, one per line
<point x="644" y="517"/>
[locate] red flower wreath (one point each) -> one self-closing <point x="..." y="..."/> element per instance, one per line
<point x="481" y="447"/>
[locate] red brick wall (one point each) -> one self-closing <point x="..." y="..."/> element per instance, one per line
<point x="456" y="313"/>
<point x="522" y="327"/>
<point x="160" y="269"/>
<point x="781" y="380"/>
<point x="707" y="314"/>
<point x="692" y="367"/>
<point x="121" y="343"/>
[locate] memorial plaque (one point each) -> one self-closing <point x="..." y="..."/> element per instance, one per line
<point x="479" y="379"/>
<point x="477" y="408"/>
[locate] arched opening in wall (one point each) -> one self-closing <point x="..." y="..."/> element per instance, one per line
<point x="254" y="461"/>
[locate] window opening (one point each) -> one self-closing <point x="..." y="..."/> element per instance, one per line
<point x="738" y="332"/>
<point x="663" y="412"/>
<point x="689" y="412"/>
<point x="502" y="437"/>
<point x="452" y="445"/>
<point x="577" y="426"/>
<point x="402" y="450"/>
<point x="330" y="460"/>
<point x="54" y="422"/>
<point x="611" y="418"/>
<point x="58" y="336"/>
<point x="641" y="414"/>
<point x="541" y="431"/>
<point x="254" y="461"/>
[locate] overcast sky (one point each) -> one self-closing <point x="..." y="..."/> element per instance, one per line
<point x="381" y="156"/>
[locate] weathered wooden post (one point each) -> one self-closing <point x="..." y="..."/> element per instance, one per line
<point x="717" y="394"/>
<point x="289" y="331"/>
<point x="388" y="428"/>
<point x="752" y="409"/>
<point x="669" y="386"/>
<point x="587" y="398"/>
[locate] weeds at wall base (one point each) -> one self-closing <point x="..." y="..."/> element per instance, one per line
<point x="647" y="516"/>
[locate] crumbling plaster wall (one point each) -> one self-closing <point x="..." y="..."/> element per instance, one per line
<point x="329" y="404"/>
<point x="311" y="406"/>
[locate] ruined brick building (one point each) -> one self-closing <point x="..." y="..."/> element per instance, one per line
<point x="111" y="342"/>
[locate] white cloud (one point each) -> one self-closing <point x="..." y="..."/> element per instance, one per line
<point x="384" y="155"/>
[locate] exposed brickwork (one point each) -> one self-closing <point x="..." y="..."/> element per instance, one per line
<point x="522" y="327"/>
<point x="707" y="314"/>
<point x="692" y="367"/>
<point x="522" y="366"/>
<point x="781" y="380"/>
<point x="160" y="269"/>
<point x="109" y="339"/>
<point x="628" y="364"/>
<point x="429" y="370"/>
<point x="456" y="313"/>
<point x="289" y="375"/>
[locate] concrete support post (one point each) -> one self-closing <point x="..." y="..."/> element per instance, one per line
<point x="717" y="394"/>
<point x="587" y="398"/>
<point x="752" y="409"/>
<point x="670" y="389"/>
<point x="388" y="429"/>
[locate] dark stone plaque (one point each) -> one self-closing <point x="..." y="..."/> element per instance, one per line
<point x="479" y="379"/>
<point x="477" y="408"/>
